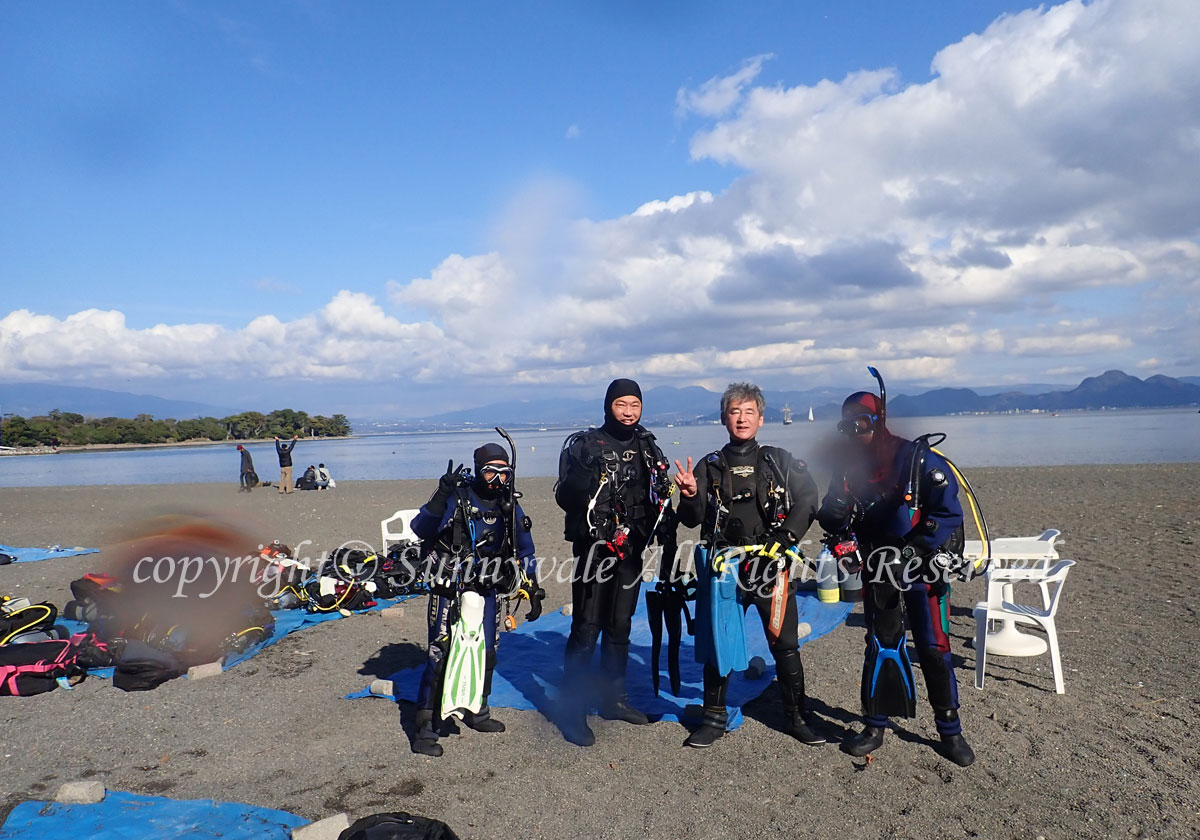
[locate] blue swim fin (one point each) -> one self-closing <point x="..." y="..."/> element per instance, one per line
<point x="720" y="619"/>
<point x="887" y="683"/>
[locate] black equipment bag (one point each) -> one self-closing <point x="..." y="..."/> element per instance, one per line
<point x="399" y="825"/>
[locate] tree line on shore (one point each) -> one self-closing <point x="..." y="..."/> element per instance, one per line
<point x="65" y="428"/>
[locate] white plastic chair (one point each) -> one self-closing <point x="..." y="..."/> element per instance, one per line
<point x="405" y="534"/>
<point x="1051" y="580"/>
<point x="1029" y="552"/>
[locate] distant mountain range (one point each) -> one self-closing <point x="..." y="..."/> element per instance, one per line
<point x="664" y="404"/>
<point x="35" y="399"/>
<point x="1113" y="389"/>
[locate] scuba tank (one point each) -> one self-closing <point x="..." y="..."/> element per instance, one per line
<point x="827" y="577"/>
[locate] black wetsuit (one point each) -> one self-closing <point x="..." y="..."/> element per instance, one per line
<point x="611" y="470"/>
<point x="765" y="489"/>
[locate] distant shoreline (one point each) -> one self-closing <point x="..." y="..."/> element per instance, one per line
<point x="178" y="444"/>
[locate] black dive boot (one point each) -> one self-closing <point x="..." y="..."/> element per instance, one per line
<point x="482" y="721"/>
<point x="425" y="739"/>
<point x="791" y="685"/>
<point x="572" y="702"/>
<point x="716" y="716"/>
<point x="615" y="659"/>
<point x="954" y="745"/>
<point x="865" y="742"/>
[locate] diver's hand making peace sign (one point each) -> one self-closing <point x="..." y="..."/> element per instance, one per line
<point x="685" y="479"/>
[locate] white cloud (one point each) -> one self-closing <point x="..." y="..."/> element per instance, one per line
<point x="943" y="230"/>
<point x="719" y="94"/>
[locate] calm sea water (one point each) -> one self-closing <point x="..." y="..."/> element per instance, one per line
<point x="1100" y="437"/>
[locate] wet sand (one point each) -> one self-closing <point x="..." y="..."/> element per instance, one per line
<point x="1113" y="757"/>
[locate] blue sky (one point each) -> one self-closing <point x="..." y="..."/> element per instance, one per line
<point x="412" y="207"/>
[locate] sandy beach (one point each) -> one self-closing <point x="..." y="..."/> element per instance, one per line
<point x="1113" y="757"/>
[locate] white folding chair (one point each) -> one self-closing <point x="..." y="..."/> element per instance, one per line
<point x="1051" y="580"/>
<point x="404" y="534"/>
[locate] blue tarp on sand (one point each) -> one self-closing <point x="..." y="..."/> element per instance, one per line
<point x="128" y="816"/>
<point x="529" y="667"/>
<point x="29" y="555"/>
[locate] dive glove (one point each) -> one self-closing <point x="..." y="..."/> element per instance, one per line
<point x="534" y="594"/>
<point x="447" y="484"/>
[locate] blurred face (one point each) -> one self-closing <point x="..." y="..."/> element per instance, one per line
<point x="859" y="424"/>
<point x="743" y="420"/>
<point x="627" y="410"/>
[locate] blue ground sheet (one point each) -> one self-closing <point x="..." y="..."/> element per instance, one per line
<point x="128" y="816"/>
<point x="30" y="555"/>
<point x="529" y="664"/>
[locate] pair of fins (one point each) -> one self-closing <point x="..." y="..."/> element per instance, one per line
<point x="720" y="618"/>
<point x="466" y="661"/>
<point x="666" y="605"/>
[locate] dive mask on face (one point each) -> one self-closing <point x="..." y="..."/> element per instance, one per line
<point x="492" y="474"/>
<point x="859" y="424"/>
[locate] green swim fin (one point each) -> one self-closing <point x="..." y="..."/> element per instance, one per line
<point x="466" y="663"/>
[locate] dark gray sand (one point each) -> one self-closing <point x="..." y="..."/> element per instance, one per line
<point x="1115" y="756"/>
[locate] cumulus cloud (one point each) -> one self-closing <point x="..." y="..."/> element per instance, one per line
<point x="974" y="227"/>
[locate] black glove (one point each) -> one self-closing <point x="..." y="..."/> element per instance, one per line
<point x="534" y="594"/>
<point x="835" y="513"/>
<point x="777" y="542"/>
<point x="447" y="484"/>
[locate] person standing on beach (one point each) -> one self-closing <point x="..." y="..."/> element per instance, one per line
<point x="751" y="495"/>
<point x="249" y="477"/>
<point x="612" y="483"/>
<point x="900" y="500"/>
<point x="467" y="528"/>
<point x="284" y="450"/>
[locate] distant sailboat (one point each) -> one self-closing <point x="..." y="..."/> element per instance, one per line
<point x="787" y="415"/>
<point x="810" y="416"/>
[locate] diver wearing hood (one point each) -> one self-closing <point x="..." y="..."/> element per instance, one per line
<point x="467" y="546"/>
<point x="612" y="482"/>
<point x="900" y="500"/>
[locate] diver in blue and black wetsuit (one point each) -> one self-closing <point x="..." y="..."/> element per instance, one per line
<point x="900" y="500"/>
<point x="465" y="529"/>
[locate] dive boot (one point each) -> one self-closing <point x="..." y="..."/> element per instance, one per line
<point x="615" y="659"/>
<point x="482" y="721"/>
<point x="716" y="715"/>
<point x="706" y="735"/>
<point x="425" y="739"/>
<point x="802" y="728"/>
<point x="791" y="686"/>
<point x="956" y="748"/>
<point x="865" y="742"/>
<point x="575" y="728"/>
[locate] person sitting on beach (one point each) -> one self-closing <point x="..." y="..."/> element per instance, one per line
<point x="746" y="494"/>
<point x="284" y="451"/>
<point x="324" y="480"/>
<point x="249" y="477"/>
<point x="900" y="500"/>
<point x="468" y="547"/>
<point x="307" y="481"/>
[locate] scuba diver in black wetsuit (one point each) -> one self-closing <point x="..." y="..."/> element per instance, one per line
<point x="900" y="500"/>
<point x="466" y="533"/>
<point x="611" y="482"/>
<point x="747" y="494"/>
